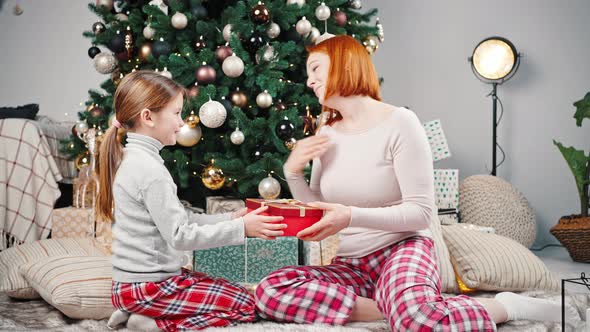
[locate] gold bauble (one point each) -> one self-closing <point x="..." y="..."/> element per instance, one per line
<point x="290" y="143"/>
<point x="239" y="98"/>
<point x="371" y="44"/>
<point x="192" y="120"/>
<point x="82" y="160"/>
<point x="188" y="136"/>
<point x="213" y="177"/>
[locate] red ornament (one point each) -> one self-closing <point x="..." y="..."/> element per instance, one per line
<point x="340" y="18"/>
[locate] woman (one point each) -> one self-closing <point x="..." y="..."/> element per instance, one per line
<point x="373" y="164"/>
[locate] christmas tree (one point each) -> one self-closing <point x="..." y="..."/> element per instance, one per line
<point x="243" y="63"/>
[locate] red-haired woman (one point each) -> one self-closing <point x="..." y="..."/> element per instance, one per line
<point x="372" y="174"/>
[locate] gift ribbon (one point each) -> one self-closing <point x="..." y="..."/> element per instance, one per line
<point x="288" y="201"/>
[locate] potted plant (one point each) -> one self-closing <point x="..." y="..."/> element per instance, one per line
<point x="574" y="231"/>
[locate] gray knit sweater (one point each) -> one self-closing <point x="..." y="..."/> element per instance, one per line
<point x="151" y="227"/>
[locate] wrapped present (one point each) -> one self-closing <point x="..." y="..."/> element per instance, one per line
<point x="71" y="222"/>
<point x="221" y="204"/>
<point x="104" y="234"/>
<point x="437" y="140"/>
<point x="320" y="252"/>
<point x="83" y="193"/>
<point x="248" y="263"/>
<point x="298" y="216"/>
<point x="446" y="188"/>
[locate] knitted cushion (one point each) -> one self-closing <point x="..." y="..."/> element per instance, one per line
<point x="487" y="200"/>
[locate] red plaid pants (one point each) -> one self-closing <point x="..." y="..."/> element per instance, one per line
<point x="190" y="301"/>
<point x="403" y="279"/>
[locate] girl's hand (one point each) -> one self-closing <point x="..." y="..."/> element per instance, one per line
<point x="336" y="218"/>
<point x="305" y="150"/>
<point x="264" y="227"/>
<point x="239" y="213"/>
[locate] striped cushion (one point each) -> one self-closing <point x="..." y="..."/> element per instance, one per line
<point x="78" y="286"/>
<point x="492" y="262"/>
<point x="447" y="275"/>
<point x="13" y="258"/>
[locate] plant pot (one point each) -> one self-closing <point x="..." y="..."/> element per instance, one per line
<point x="574" y="233"/>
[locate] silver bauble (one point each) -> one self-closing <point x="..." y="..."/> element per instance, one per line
<point x="227" y="32"/>
<point x="105" y="63"/>
<point x="105" y="3"/>
<point x="179" y="21"/>
<point x="273" y="30"/>
<point x="322" y="12"/>
<point x="303" y="26"/>
<point x="166" y="73"/>
<point x="355" y="4"/>
<point x="296" y="2"/>
<point x="188" y="136"/>
<point x="212" y="114"/>
<point x="268" y="54"/>
<point x="264" y="99"/>
<point x="148" y="32"/>
<point x="122" y="17"/>
<point x="314" y="34"/>
<point x="269" y="188"/>
<point x="233" y="66"/>
<point x="81" y="127"/>
<point x="237" y="137"/>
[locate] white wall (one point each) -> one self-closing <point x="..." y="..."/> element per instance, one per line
<point x="424" y="62"/>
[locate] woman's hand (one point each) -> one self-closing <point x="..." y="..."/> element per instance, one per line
<point x="305" y="150"/>
<point x="336" y="218"/>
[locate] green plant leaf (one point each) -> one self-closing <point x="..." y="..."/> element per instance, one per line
<point x="578" y="163"/>
<point x="582" y="109"/>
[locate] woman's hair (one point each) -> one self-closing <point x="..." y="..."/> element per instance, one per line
<point x="137" y="91"/>
<point x="351" y="71"/>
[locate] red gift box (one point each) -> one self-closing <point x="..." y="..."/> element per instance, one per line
<point x="297" y="216"/>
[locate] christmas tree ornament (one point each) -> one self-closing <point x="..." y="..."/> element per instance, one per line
<point x="355" y="4"/>
<point x="239" y="98"/>
<point x="188" y="136"/>
<point x="82" y="160"/>
<point x="98" y="28"/>
<point x="121" y="17"/>
<point x="309" y="123"/>
<point x="340" y="18"/>
<point x="371" y="44"/>
<point x="192" y="120"/>
<point x="205" y="74"/>
<point x="159" y="48"/>
<point x="161" y="5"/>
<point x="93" y="51"/>
<point x="17" y="10"/>
<point x="166" y="73"/>
<point x="280" y="106"/>
<point x="145" y="51"/>
<point x="268" y="54"/>
<point x="81" y="127"/>
<point x="179" y="21"/>
<point x="380" y="30"/>
<point x="199" y="12"/>
<point x="117" y="43"/>
<point x="285" y="129"/>
<point x="314" y="34"/>
<point x="269" y="188"/>
<point x="129" y="42"/>
<point x="212" y="114"/>
<point x="105" y="63"/>
<point x="96" y="112"/>
<point x="254" y="43"/>
<point x="300" y="3"/>
<point x="227" y="31"/>
<point x="303" y="26"/>
<point x="237" y="137"/>
<point x="322" y="12"/>
<point x="148" y="32"/>
<point x="193" y="92"/>
<point x="259" y="151"/>
<point x="122" y="56"/>
<point x="106" y="4"/>
<point x="290" y="143"/>
<point x="264" y="99"/>
<point x="273" y="30"/>
<point x="233" y="66"/>
<point x="227" y="104"/>
<point x="212" y="177"/>
<point x="222" y="52"/>
<point x="260" y="14"/>
<point x="200" y="44"/>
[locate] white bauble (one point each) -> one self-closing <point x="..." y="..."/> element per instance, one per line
<point x="237" y="137"/>
<point x="303" y="26"/>
<point x="233" y="66"/>
<point x="296" y="2"/>
<point x="268" y="54"/>
<point x="212" y="114"/>
<point x="166" y="73"/>
<point x="322" y="12"/>
<point x="264" y="99"/>
<point x="105" y="63"/>
<point x="227" y="32"/>
<point x="189" y="136"/>
<point x="269" y="188"/>
<point x="179" y="21"/>
<point x="273" y="30"/>
<point x="314" y="34"/>
<point x="81" y="127"/>
<point x="148" y="32"/>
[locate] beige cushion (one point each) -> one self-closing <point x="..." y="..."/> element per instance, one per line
<point x="13" y="258"/>
<point x="78" y="286"/>
<point x="447" y="275"/>
<point x="492" y="262"/>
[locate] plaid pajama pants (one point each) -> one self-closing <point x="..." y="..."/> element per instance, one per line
<point x="403" y="279"/>
<point x="190" y="301"/>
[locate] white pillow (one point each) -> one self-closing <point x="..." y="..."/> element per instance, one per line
<point x="78" y="286"/>
<point x="13" y="258"/>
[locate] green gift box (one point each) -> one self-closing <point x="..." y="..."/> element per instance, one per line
<point x="248" y="263"/>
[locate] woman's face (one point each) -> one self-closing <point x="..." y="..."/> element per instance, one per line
<point x="318" y="65"/>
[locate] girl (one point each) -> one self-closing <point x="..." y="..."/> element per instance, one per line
<point x="151" y="227"/>
<point x="373" y="163"/>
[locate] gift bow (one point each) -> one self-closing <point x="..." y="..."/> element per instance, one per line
<point x="288" y="201"/>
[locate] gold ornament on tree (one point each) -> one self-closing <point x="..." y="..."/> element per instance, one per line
<point x="239" y="98"/>
<point x="290" y="143"/>
<point x="144" y="51"/>
<point x="189" y="136"/>
<point x="212" y="177"/>
<point x="269" y="188"/>
<point x="192" y="120"/>
<point x="371" y="44"/>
